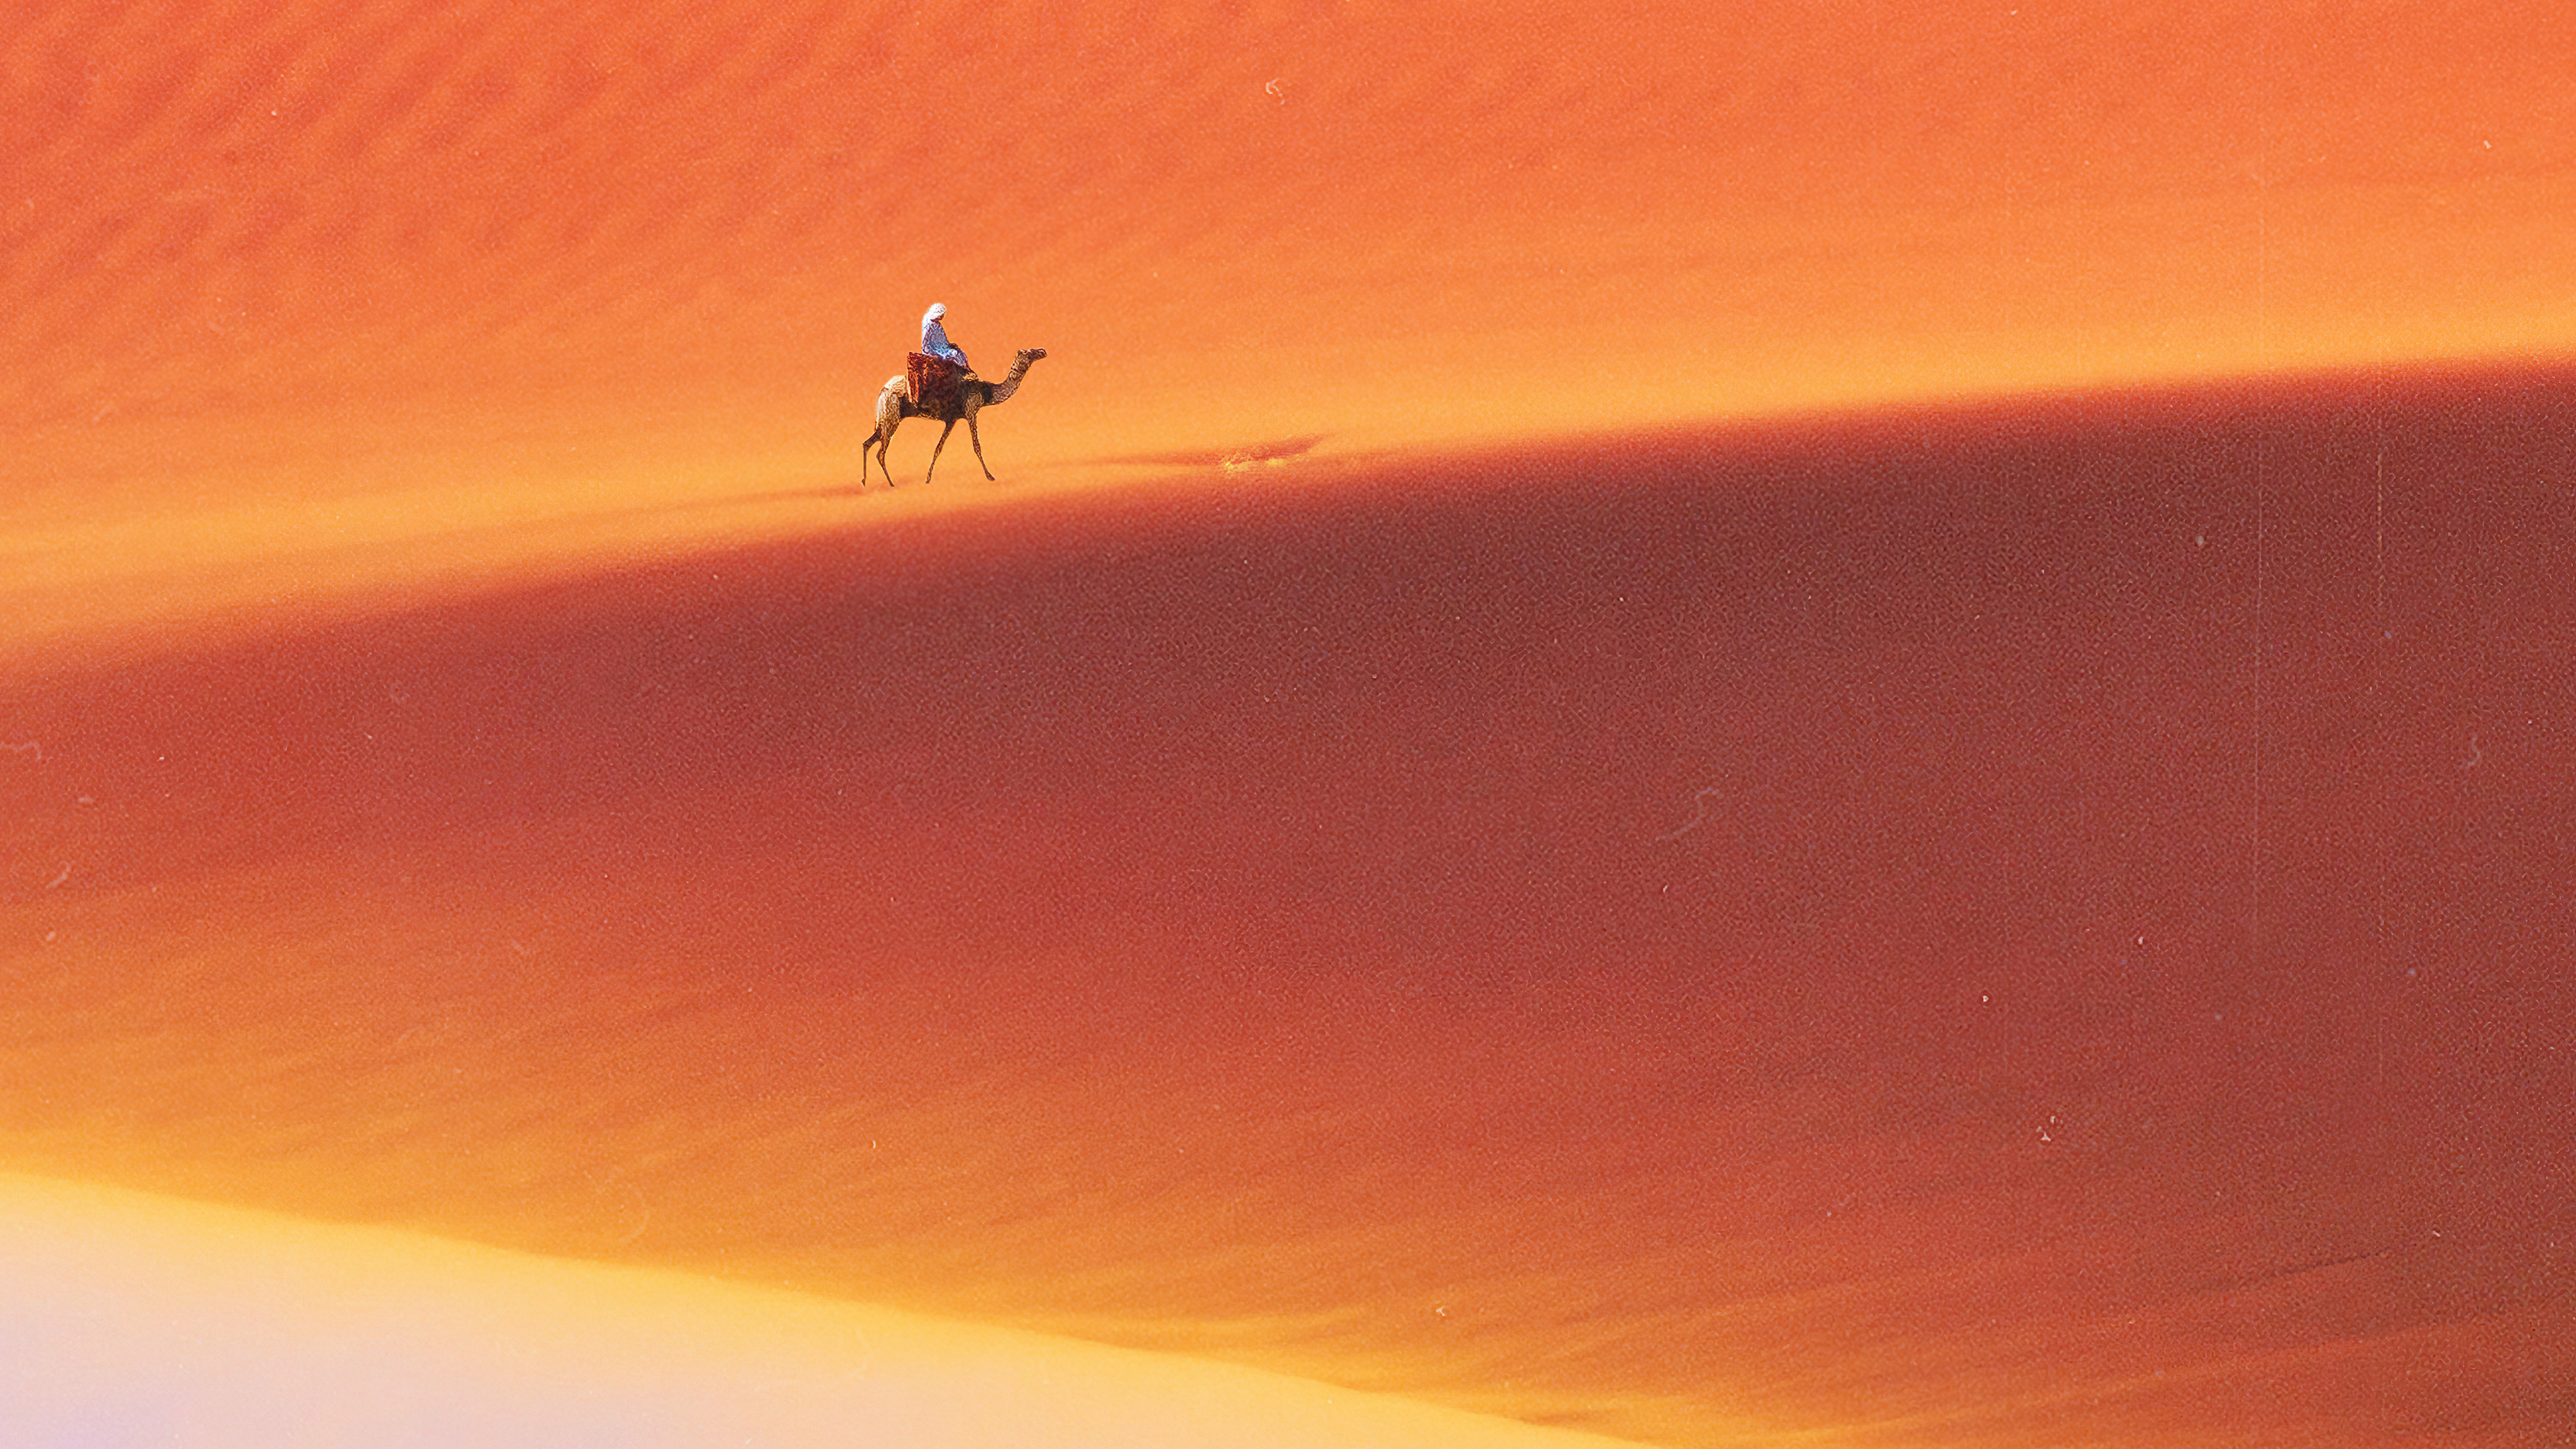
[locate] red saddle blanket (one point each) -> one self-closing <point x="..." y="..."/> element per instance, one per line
<point x="931" y="380"/>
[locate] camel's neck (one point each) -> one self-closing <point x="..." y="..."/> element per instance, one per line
<point x="1010" y="382"/>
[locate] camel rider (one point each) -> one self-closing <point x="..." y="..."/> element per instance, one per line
<point x="934" y="338"/>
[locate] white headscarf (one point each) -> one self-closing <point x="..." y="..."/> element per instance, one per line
<point x="934" y="338"/>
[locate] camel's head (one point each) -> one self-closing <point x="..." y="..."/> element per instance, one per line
<point x="1031" y="354"/>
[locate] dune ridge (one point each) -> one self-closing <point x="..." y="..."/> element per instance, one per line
<point x="1473" y="871"/>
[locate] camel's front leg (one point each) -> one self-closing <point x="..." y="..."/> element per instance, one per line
<point x="942" y="443"/>
<point x="977" y="439"/>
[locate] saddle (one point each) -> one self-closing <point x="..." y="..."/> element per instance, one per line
<point x="932" y="381"/>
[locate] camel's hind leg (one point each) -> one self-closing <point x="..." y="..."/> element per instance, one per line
<point x="880" y="440"/>
<point x="890" y="415"/>
<point x="942" y="443"/>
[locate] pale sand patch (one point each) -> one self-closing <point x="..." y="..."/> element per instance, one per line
<point x="132" y="1319"/>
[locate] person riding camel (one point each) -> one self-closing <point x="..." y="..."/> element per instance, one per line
<point x="929" y="380"/>
<point x="934" y="338"/>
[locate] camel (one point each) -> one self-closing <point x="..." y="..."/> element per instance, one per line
<point x="973" y="395"/>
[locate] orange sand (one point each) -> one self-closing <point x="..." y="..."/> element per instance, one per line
<point x="286" y="285"/>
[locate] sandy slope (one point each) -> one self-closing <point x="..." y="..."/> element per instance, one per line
<point x="2024" y="927"/>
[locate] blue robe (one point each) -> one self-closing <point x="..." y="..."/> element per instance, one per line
<point x="934" y="340"/>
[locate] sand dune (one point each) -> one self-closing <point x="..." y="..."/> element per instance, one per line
<point x="1451" y="826"/>
<point x="2028" y="926"/>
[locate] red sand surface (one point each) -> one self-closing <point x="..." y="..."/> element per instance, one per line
<point x="2035" y="923"/>
<point x="2037" y="926"/>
